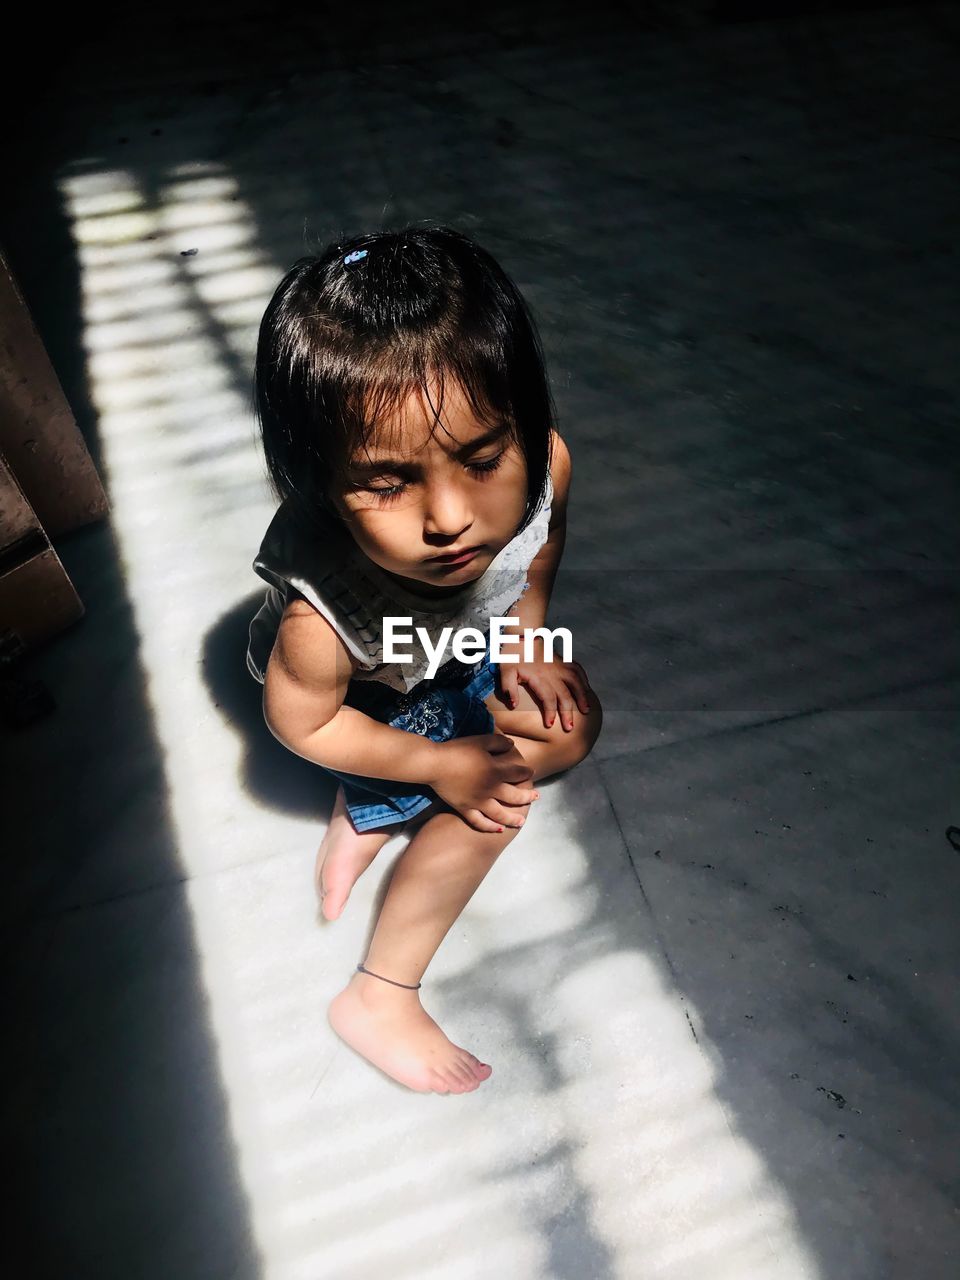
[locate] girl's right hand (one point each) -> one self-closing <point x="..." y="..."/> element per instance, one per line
<point x="486" y="779"/>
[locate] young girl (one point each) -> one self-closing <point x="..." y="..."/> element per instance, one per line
<point x="406" y="423"/>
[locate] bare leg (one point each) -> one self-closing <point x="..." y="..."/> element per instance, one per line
<point x="344" y="855"/>
<point x="434" y="880"/>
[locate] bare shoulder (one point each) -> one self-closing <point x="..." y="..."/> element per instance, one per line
<point x="561" y="468"/>
<point x="307" y="674"/>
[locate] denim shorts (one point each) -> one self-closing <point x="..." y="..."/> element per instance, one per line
<point x="451" y="705"/>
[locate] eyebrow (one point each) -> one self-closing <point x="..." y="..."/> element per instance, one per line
<point x="396" y="464"/>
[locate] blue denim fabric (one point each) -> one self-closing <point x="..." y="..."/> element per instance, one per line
<point x="451" y="705"/>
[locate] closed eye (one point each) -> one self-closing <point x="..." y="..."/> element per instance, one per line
<point x="387" y="493"/>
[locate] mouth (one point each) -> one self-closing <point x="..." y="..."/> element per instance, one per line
<point x="458" y="558"/>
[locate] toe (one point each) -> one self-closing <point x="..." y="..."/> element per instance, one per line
<point x="454" y="1076"/>
<point x="479" y="1070"/>
<point x="464" y="1075"/>
<point x="331" y="906"/>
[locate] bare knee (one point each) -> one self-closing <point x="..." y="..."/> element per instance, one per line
<point x="562" y="749"/>
<point x="454" y="835"/>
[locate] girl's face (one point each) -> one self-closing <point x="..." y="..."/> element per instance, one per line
<point x="415" y="495"/>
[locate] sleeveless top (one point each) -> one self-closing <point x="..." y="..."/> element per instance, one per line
<point x="330" y="571"/>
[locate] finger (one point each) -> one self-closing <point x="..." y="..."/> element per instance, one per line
<point x="515" y="771"/>
<point x="565" y="710"/>
<point x="507" y="815"/>
<point x="546" y="696"/>
<point x="497" y="743"/>
<point x="582" y="673"/>
<point x="512" y="794"/>
<point x="519" y="776"/>
<point x="548" y="701"/>
<point x="480" y="822"/>
<point x="508" y="684"/>
<point x="581" y="691"/>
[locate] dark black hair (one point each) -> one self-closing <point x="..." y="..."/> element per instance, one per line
<point x="341" y="345"/>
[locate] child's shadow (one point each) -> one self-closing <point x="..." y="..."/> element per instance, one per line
<point x="269" y="771"/>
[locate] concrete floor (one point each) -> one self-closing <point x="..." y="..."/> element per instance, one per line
<point x="716" y="974"/>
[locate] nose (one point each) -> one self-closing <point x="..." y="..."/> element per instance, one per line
<point x="446" y="511"/>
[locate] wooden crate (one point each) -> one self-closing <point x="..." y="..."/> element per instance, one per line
<point x="39" y="436"/>
<point x="37" y="598"/>
<point x="48" y="483"/>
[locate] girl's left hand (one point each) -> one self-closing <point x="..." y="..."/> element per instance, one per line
<point x="558" y="686"/>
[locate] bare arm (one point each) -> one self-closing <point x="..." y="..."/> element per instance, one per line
<point x="483" y="777"/>
<point x="304" y="687"/>
<point x="532" y="607"/>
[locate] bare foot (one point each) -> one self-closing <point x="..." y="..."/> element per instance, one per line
<point x="343" y="857"/>
<point x="390" y="1028"/>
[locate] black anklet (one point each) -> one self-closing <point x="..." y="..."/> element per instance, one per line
<point x="361" y="969"/>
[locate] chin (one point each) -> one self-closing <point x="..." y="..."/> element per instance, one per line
<point x="454" y="582"/>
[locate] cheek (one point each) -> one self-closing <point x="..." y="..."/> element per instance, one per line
<point x="380" y="535"/>
<point x="509" y="499"/>
<point x="514" y="488"/>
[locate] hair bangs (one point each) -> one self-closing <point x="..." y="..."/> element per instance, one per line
<point x="344" y="343"/>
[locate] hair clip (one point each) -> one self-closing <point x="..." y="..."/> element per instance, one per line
<point x="355" y="256"/>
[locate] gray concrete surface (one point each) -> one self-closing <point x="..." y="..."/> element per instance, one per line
<point x="716" y="975"/>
